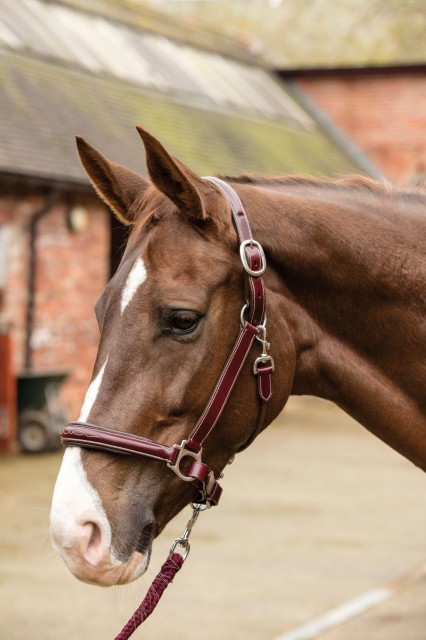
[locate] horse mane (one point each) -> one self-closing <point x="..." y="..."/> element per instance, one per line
<point x="153" y="203"/>
<point x="349" y="183"/>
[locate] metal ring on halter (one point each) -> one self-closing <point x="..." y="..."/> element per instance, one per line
<point x="243" y="310"/>
<point x="261" y="327"/>
<point x="200" y="507"/>
<point x="261" y="336"/>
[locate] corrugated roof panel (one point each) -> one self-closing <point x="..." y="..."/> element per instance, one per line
<point x="44" y="23"/>
<point x="277" y="97"/>
<point x="102" y="49"/>
<point x="118" y="55"/>
<point x="216" y="69"/>
<point x="10" y="17"/>
<point x="160" y="51"/>
<point x="194" y="65"/>
<point x="138" y="51"/>
<point x="77" y="36"/>
<point x="8" y="37"/>
<point x="238" y="76"/>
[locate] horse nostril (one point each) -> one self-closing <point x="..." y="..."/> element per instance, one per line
<point x="95" y="536"/>
<point x="92" y="542"/>
<point x="145" y="540"/>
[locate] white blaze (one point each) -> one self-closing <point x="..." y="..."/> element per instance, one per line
<point x="77" y="509"/>
<point x="134" y="280"/>
<point x="92" y="394"/>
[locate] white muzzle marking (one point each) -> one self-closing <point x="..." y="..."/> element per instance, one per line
<point x="75" y="502"/>
<point x="77" y="516"/>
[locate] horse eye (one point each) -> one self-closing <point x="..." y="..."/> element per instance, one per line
<point x="182" y="322"/>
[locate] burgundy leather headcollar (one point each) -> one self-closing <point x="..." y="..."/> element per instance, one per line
<point x="253" y="318"/>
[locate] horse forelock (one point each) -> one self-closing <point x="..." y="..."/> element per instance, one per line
<point x="153" y="207"/>
<point x="148" y="209"/>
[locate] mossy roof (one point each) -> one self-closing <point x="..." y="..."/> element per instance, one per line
<point x="294" y="34"/>
<point x="44" y="106"/>
<point x="66" y="69"/>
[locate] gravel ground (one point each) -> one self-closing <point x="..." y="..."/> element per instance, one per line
<point x="316" y="512"/>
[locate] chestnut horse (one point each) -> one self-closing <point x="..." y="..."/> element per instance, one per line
<point x="346" y="319"/>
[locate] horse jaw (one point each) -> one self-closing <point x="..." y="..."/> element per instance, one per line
<point x="81" y="533"/>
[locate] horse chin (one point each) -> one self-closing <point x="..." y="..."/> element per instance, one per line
<point x="135" y="567"/>
<point x="110" y="572"/>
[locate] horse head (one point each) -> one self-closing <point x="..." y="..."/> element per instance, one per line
<point x="168" y="320"/>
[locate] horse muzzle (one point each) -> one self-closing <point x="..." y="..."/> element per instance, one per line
<point x="81" y="533"/>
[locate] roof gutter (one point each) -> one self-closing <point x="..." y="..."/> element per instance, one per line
<point x="352" y="150"/>
<point x="15" y="178"/>
<point x="337" y="71"/>
<point x="32" y="266"/>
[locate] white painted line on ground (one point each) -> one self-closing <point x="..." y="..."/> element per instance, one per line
<point x="352" y="608"/>
<point x="337" y="616"/>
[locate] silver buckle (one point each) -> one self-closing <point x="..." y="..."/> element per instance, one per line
<point x="263" y="359"/>
<point x="252" y="243"/>
<point x="183" y="453"/>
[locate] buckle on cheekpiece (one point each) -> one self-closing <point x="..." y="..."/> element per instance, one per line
<point x="243" y="256"/>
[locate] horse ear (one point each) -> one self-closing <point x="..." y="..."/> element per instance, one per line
<point x="117" y="186"/>
<point x="187" y="190"/>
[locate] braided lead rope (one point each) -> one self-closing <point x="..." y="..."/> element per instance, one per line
<point x="167" y="572"/>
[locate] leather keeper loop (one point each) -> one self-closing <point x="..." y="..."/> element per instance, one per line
<point x="264" y="382"/>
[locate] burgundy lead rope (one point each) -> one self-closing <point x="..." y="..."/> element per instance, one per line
<point x="168" y="571"/>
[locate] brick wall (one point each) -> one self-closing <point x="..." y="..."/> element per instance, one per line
<point x="72" y="269"/>
<point x="384" y="113"/>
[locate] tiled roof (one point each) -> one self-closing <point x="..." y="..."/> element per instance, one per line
<point x="44" y="106"/>
<point x="292" y="34"/>
<point x="65" y="75"/>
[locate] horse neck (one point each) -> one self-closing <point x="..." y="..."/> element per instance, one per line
<point x="348" y="269"/>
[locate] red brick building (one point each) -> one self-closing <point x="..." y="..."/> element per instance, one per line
<point x="54" y="274"/>
<point x="383" y="111"/>
<point x="71" y="69"/>
<point x="361" y="64"/>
